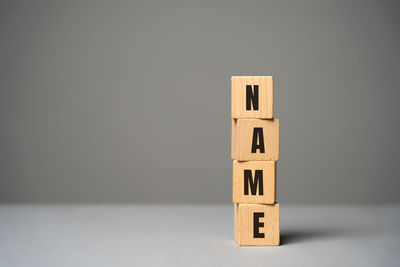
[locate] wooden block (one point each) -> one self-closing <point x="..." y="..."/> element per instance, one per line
<point x="252" y="97"/>
<point x="256" y="224"/>
<point x="254" y="182"/>
<point x="254" y="139"/>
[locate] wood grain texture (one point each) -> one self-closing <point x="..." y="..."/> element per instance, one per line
<point x="242" y="139"/>
<point x="265" y="97"/>
<point x="267" y="180"/>
<point x="244" y="224"/>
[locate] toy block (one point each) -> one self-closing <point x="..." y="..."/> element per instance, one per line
<point x="256" y="224"/>
<point x="252" y="97"/>
<point x="254" y="139"/>
<point x="254" y="182"/>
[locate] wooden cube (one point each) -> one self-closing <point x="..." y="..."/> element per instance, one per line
<point x="256" y="224"/>
<point x="254" y="139"/>
<point x="252" y="97"/>
<point x="254" y="182"/>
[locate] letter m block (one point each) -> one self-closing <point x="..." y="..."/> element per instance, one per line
<point x="254" y="182"/>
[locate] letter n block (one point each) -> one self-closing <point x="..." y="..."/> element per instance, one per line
<point x="252" y="97"/>
<point x="256" y="224"/>
<point x="254" y="182"/>
<point x="254" y="139"/>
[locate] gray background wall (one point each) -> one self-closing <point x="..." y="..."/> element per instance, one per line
<point x="129" y="101"/>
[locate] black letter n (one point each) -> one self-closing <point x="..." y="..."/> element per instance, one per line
<point x="251" y="97"/>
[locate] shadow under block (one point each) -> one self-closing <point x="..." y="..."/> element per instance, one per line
<point x="255" y="139"/>
<point x="256" y="224"/>
<point x="252" y="97"/>
<point x="254" y="182"/>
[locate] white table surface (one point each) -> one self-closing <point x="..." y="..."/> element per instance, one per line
<point x="194" y="235"/>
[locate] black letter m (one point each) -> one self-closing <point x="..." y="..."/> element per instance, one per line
<point x="249" y="182"/>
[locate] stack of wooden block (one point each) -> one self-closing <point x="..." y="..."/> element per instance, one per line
<point x="255" y="150"/>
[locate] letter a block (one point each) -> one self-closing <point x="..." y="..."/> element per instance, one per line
<point x="252" y="97"/>
<point x="254" y="139"/>
<point x="256" y="224"/>
<point x="254" y="182"/>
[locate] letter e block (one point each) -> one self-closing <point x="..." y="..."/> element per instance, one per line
<point x="256" y="224"/>
<point x="254" y="182"/>
<point x="255" y="139"/>
<point x="252" y="97"/>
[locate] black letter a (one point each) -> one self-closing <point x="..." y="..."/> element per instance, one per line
<point x="258" y="132"/>
<point x="251" y="97"/>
